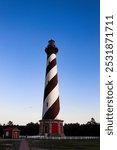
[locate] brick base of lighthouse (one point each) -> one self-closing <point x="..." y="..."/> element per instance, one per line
<point x="51" y="127"/>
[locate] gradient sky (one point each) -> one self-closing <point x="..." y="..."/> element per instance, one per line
<point x="25" y="28"/>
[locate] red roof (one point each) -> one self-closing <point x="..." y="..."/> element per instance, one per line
<point x="11" y="129"/>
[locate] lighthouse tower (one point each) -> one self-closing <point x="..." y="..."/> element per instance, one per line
<point x="51" y="125"/>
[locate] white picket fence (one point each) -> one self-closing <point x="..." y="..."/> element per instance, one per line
<point x="61" y="138"/>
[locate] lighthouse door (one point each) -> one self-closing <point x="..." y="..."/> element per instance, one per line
<point x="46" y="129"/>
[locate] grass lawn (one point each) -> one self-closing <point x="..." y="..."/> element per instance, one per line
<point x="93" y="144"/>
<point x="9" y="144"/>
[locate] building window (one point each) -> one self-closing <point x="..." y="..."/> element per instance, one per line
<point x="7" y="133"/>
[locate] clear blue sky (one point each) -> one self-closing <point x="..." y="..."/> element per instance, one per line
<point x="25" y="28"/>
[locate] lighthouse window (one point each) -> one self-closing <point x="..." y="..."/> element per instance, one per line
<point x="47" y="104"/>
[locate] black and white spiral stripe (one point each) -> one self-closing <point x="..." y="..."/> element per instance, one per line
<point x="51" y="104"/>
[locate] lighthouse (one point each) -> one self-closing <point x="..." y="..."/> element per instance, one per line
<point x="51" y="124"/>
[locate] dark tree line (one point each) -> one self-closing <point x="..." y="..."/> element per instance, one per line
<point x="29" y="129"/>
<point x="91" y="128"/>
<point x="82" y="130"/>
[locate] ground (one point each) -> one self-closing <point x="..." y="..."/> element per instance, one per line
<point x="9" y="144"/>
<point x="65" y="144"/>
<point x="52" y="144"/>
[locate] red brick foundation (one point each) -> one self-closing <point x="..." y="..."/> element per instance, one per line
<point x="51" y="127"/>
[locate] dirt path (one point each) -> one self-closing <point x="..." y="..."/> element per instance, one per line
<point x="24" y="145"/>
